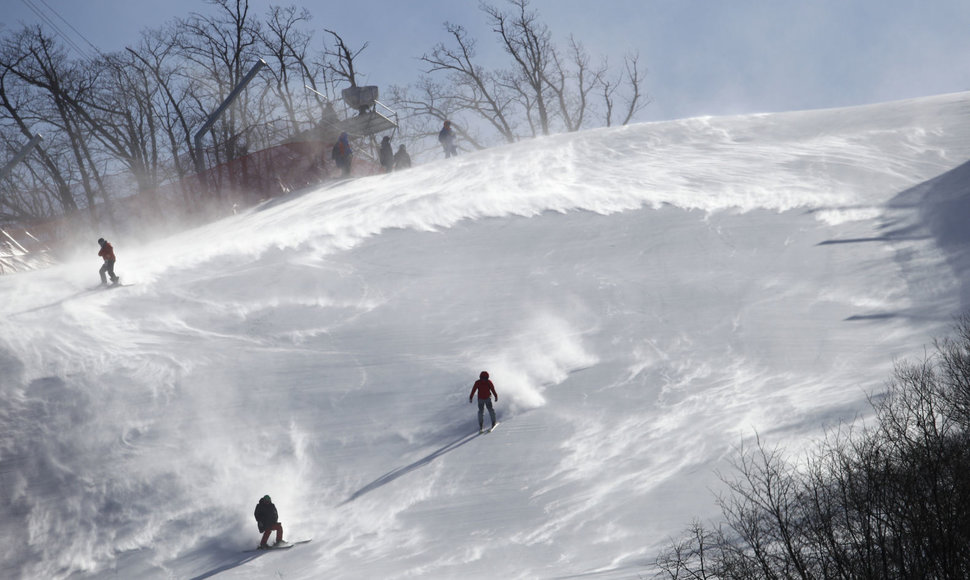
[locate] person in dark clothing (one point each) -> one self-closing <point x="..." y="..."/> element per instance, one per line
<point x="401" y="159"/>
<point x="107" y="253"/>
<point x="267" y="521"/>
<point x="447" y="139"/>
<point x="342" y="154"/>
<point x="485" y="390"/>
<point x="387" y="155"/>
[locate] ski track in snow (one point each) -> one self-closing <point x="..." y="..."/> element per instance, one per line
<point x="645" y="298"/>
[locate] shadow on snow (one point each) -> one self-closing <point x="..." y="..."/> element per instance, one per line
<point x="402" y="471"/>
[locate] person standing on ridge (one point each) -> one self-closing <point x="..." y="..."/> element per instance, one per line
<point x="401" y="159"/>
<point x="387" y="155"/>
<point x="485" y="390"/>
<point x="447" y="139"/>
<point x="107" y="253"/>
<point x="267" y="521"/>
<point x="342" y="154"/>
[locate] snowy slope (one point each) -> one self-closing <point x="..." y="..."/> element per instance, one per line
<point x="644" y="298"/>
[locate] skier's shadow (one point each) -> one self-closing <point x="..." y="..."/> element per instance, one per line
<point x="402" y="471"/>
<point x="225" y="567"/>
<point x="56" y="303"/>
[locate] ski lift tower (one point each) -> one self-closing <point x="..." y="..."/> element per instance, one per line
<point x="199" y="159"/>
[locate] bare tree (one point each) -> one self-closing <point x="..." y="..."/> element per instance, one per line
<point x="49" y="177"/>
<point x="632" y="80"/>
<point x="135" y="113"/>
<point x="221" y="48"/>
<point x="572" y="87"/>
<point x="121" y="115"/>
<point x="889" y="500"/>
<point x="288" y="43"/>
<point x="471" y="89"/>
<point x="158" y="56"/>
<point x="695" y="557"/>
<point x="528" y="42"/>
<point x="60" y="84"/>
<point x="543" y="90"/>
<point x="341" y="64"/>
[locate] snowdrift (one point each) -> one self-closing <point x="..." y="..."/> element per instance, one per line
<point x="644" y="298"/>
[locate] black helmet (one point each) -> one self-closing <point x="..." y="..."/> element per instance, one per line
<point x="101" y="241"/>
<point x="266" y="497"/>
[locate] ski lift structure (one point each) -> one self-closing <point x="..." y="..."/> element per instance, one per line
<point x="372" y="117"/>
<point x="369" y="117"/>
<point x="300" y="159"/>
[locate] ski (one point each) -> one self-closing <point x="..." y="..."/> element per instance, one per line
<point x="489" y="430"/>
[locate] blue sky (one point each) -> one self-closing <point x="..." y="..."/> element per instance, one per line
<point x="704" y="57"/>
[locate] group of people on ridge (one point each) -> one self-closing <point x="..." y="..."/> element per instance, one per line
<point x="392" y="161"/>
<point x="343" y="154"/>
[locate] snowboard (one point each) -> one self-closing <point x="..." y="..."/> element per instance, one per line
<point x="109" y="286"/>
<point x="282" y="546"/>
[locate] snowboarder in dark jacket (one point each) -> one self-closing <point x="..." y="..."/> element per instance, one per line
<point x="485" y="390"/>
<point x="267" y="521"/>
<point x="342" y="154"/>
<point x="447" y="139"/>
<point x="107" y="253"/>
<point x="387" y="154"/>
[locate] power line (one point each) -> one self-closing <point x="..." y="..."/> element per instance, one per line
<point x="76" y="31"/>
<point x="46" y="19"/>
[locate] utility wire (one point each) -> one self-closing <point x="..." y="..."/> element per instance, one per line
<point x="46" y="19"/>
<point x="76" y="31"/>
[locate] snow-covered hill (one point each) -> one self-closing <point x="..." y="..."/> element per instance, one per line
<point x="644" y="298"/>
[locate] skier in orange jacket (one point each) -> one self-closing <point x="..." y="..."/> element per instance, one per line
<point x="108" y="254"/>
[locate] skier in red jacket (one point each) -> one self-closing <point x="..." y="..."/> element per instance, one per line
<point x="108" y="254"/>
<point x="485" y="390"/>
